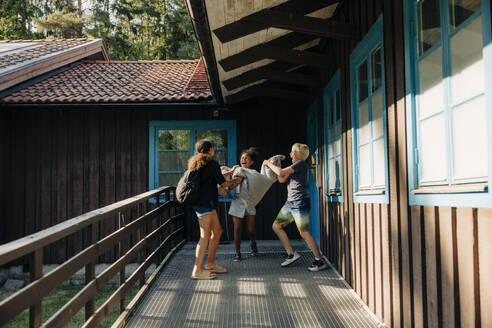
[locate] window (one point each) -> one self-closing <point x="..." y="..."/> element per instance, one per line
<point x="172" y="144"/>
<point x="333" y="139"/>
<point x="369" y="118"/>
<point x="448" y="118"/>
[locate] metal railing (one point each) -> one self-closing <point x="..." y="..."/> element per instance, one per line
<point x="155" y="225"/>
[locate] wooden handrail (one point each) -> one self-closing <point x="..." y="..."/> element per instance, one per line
<point x="22" y="246"/>
<point x="31" y="295"/>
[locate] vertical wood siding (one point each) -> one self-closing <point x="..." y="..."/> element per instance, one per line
<point x="413" y="266"/>
<point x="57" y="164"/>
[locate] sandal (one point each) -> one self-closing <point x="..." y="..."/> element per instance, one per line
<point x="216" y="269"/>
<point x="203" y="275"/>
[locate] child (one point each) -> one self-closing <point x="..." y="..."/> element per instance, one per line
<point x="206" y="209"/>
<point x="297" y="206"/>
<point x="239" y="212"/>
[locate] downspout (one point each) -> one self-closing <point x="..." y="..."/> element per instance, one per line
<point x="198" y="14"/>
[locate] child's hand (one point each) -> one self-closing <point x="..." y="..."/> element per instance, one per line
<point x="235" y="167"/>
<point x="266" y="162"/>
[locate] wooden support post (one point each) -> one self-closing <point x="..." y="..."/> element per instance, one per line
<point x="36" y="271"/>
<point x="90" y="272"/>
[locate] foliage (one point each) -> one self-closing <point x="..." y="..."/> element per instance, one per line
<point x="130" y="29"/>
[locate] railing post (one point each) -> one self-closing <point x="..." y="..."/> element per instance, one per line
<point x="121" y="223"/>
<point x="35" y="272"/>
<point x="90" y="272"/>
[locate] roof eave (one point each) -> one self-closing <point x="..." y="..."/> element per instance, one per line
<point x="198" y="14"/>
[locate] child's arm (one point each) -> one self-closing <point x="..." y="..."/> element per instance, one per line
<point x="283" y="173"/>
<point x="231" y="171"/>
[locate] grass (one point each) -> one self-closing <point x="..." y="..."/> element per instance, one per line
<point x="61" y="295"/>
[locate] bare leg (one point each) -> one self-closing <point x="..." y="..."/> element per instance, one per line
<point x="237" y="233"/>
<point x="250" y="219"/>
<point x="214" y="238"/>
<point x="311" y="242"/>
<point x="205" y="230"/>
<point x="283" y="237"/>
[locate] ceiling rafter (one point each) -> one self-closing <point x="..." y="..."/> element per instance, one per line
<point x="254" y="22"/>
<point x="265" y="51"/>
<point x="267" y="91"/>
<point x="268" y="73"/>
<point x="328" y="28"/>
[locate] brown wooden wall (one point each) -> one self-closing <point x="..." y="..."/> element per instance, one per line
<point x="413" y="266"/>
<point x="63" y="162"/>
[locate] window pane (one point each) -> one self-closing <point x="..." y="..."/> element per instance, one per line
<point x="364" y="131"/>
<point x="470" y="135"/>
<point x="338" y="106"/>
<point x="338" y="147"/>
<point x="433" y="150"/>
<point x="331" y="142"/>
<point x="377" y="115"/>
<point x="461" y="10"/>
<point x="376" y="69"/>
<point x="169" y="179"/>
<point x="429" y="29"/>
<point x="334" y="182"/>
<point x="365" y="166"/>
<point x="173" y="160"/>
<point x="362" y="83"/>
<point x="431" y="84"/>
<point x="218" y="137"/>
<point x="331" y="110"/>
<point x="466" y="62"/>
<point x="221" y="156"/>
<point x="174" y="140"/>
<point x="379" y="160"/>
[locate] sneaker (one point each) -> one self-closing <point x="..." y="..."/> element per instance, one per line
<point x="254" y="249"/>
<point x="318" y="265"/>
<point x="237" y="257"/>
<point x="291" y="258"/>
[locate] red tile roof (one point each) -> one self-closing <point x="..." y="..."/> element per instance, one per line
<point x="120" y="82"/>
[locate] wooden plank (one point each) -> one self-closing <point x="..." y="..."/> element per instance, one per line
<point x="370" y="257"/>
<point x="32" y="161"/>
<point x="378" y="266"/>
<point x="447" y="266"/>
<point x="35" y="272"/>
<point x="247" y="25"/>
<point x="265" y="72"/>
<point x="267" y="91"/>
<point x="61" y="181"/>
<point x="287" y="41"/>
<point x="419" y="267"/>
<point x="466" y="276"/>
<point x="363" y="251"/>
<point x="327" y="28"/>
<point x="431" y="266"/>
<point x="265" y="51"/>
<point x="484" y="242"/>
<point x="387" y="265"/>
<point x="358" y="276"/>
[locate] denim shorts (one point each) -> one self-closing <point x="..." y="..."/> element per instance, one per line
<point x="297" y="211"/>
<point x="201" y="211"/>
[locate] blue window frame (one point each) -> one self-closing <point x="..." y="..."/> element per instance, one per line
<point x="332" y="113"/>
<point x="171" y="144"/>
<point x="448" y="51"/>
<point x="368" y="99"/>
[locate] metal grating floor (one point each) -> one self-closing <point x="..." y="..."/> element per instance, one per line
<point x="256" y="292"/>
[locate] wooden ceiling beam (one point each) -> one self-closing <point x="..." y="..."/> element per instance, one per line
<point x="266" y="91"/>
<point x="251" y="24"/>
<point x="265" y="51"/>
<point x="268" y="73"/>
<point x="327" y="28"/>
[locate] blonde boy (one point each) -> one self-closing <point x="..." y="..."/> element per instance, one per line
<point x="297" y="206"/>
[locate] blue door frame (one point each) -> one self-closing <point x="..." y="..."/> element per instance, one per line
<point x="312" y="142"/>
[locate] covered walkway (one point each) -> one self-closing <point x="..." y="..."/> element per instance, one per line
<point x="256" y="292"/>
